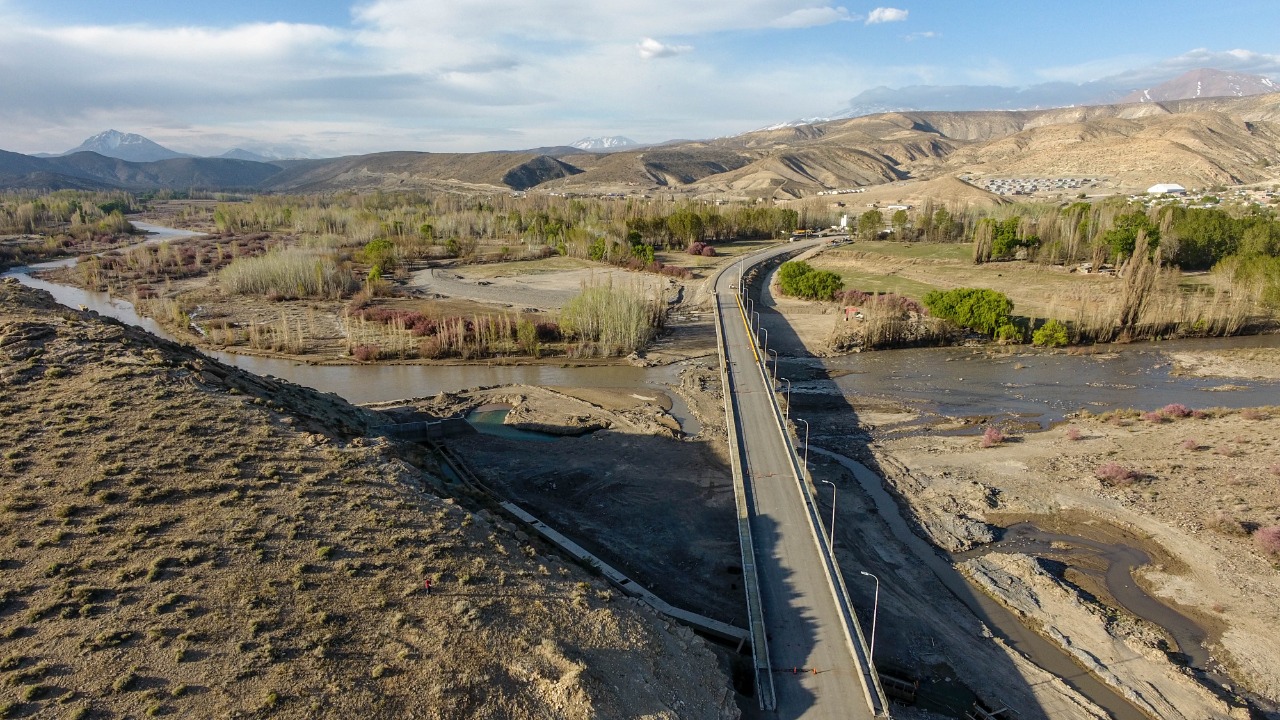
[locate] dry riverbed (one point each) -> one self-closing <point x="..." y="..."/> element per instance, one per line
<point x="1189" y="491"/>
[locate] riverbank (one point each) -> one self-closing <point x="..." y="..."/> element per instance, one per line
<point x="1180" y="305"/>
<point x="1189" y="491"/>
<point x="426" y="312"/>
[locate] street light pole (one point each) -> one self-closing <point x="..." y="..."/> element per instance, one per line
<point x="775" y="365"/>
<point x="875" y="612"/>
<point x="765" y="346"/>
<point x="833" y="512"/>
<point x="806" y="444"/>
<point x="787" y="416"/>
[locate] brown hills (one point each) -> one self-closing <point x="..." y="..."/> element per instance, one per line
<point x="1197" y="143"/>
<point x="1193" y="142"/>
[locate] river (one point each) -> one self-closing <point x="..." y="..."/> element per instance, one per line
<point x="368" y="383"/>
<point x="1044" y="387"/>
<point x="942" y="381"/>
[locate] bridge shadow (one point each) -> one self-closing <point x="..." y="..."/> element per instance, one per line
<point x="933" y="626"/>
<point x="792" y="633"/>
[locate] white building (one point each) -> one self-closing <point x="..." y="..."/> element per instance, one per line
<point x="1166" y="189"/>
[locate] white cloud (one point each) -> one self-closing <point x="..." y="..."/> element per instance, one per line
<point x="650" y="49"/>
<point x="813" y="17"/>
<point x="886" y="14"/>
<point x="925" y="35"/>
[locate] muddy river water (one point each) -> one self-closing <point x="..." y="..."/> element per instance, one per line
<point x="1038" y="388"/>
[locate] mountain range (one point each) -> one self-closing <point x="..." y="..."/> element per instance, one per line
<point x="615" y="142"/>
<point x="136" y="148"/>
<point x="1204" y="82"/>
<point x="1196" y="142"/>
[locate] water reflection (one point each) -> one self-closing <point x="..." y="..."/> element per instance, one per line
<point x="1046" y="387"/>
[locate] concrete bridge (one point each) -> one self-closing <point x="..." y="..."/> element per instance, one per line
<point x="812" y="660"/>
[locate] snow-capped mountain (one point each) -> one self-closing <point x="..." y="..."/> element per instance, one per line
<point x="126" y="146"/>
<point x="613" y="142"/>
<point x="792" y="123"/>
<point x="981" y="97"/>
<point x="1205" y="82"/>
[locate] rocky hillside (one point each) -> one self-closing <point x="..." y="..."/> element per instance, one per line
<point x="178" y="537"/>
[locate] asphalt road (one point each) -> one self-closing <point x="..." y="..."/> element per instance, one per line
<point x="803" y="622"/>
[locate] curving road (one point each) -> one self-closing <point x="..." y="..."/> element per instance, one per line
<point x="818" y="661"/>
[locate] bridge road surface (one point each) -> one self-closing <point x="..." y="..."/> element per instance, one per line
<point x="804" y="626"/>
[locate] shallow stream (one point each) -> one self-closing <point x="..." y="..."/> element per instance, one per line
<point x="1119" y="561"/>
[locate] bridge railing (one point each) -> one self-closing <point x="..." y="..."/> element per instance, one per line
<point x="766" y="695"/>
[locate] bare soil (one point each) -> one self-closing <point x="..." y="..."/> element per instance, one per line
<point x="1199" y="488"/>
<point x="649" y="500"/>
<point x="179" y="537"/>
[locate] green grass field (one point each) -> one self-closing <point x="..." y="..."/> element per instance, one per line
<point x="962" y="252"/>
<point x="873" y="282"/>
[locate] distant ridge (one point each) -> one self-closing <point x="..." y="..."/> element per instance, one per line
<point x="126" y="146"/>
<point x="1204" y="83"/>
<point x="242" y="154"/>
<point x="613" y="142"/>
<point x="1196" y="143"/>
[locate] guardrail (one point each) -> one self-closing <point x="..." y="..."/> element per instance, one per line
<point x="853" y="630"/>
<point x="766" y="694"/>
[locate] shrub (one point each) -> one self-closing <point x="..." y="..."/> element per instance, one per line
<point x="1253" y="414"/>
<point x="890" y="300"/>
<point x="1176" y="410"/>
<point x="616" y="320"/>
<point x="1190" y="444"/>
<point x="288" y="274"/>
<point x="1074" y="434"/>
<point x="1052" y="334"/>
<point x="1115" y="474"/>
<point x="799" y="279"/>
<point x="984" y="311"/>
<point x="991" y="437"/>
<point x="1268" y="539"/>
<point x="1154" y="416"/>
<point x="365" y="353"/>
<point x="1226" y="523"/>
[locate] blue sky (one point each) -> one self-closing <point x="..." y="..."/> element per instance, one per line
<point x="329" y="77"/>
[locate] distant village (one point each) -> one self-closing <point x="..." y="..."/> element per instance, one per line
<point x="1028" y="186"/>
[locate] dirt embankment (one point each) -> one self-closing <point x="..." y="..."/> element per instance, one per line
<point x="624" y="480"/>
<point x="1189" y="491"/>
<point x="177" y="537"/>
